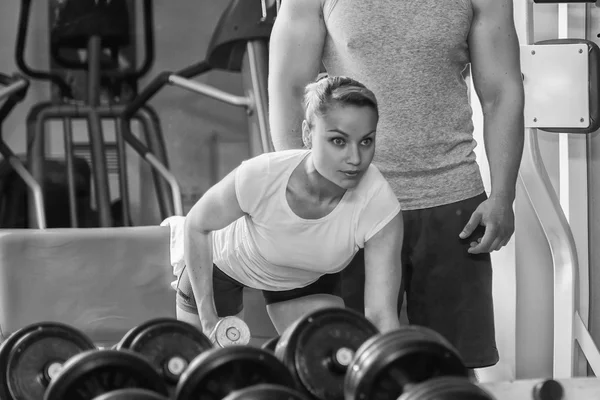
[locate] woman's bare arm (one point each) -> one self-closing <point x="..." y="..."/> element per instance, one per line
<point x="216" y="209"/>
<point x="383" y="274"/>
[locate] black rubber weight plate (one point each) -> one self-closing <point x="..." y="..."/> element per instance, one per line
<point x="270" y="344"/>
<point x="5" y="349"/>
<point x="37" y="355"/>
<point x="131" y="394"/>
<point x="97" y="372"/>
<point x="128" y="337"/>
<point x="446" y="388"/>
<point x="386" y="364"/>
<point x="218" y="372"/>
<point x="170" y="346"/>
<point x="266" y="392"/>
<point x="319" y="347"/>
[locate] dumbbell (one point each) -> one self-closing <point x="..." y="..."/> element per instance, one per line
<point x="319" y="347"/>
<point x="168" y="344"/>
<point x="95" y="373"/>
<point x="230" y="331"/>
<point x="390" y="364"/>
<point x="33" y="356"/>
<point x="221" y="371"/>
<point x="266" y="391"/>
<point x="446" y="388"/>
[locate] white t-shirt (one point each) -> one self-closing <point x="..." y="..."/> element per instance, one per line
<point x="272" y="248"/>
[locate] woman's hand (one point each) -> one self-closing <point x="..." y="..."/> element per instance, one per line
<point x="384" y="322"/>
<point x="208" y="321"/>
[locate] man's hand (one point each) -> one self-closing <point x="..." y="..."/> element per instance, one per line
<point x="497" y="216"/>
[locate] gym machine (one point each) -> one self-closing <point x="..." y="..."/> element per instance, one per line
<point x="562" y="97"/>
<point x="99" y="28"/>
<point x="14" y="91"/>
<point x="239" y="44"/>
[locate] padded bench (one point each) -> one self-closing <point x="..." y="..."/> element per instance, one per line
<point x="102" y="281"/>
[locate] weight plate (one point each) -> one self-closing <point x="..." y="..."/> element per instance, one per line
<point x="170" y="345"/>
<point x="36" y="356"/>
<point x="5" y="349"/>
<point x="131" y="394"/>
<point x="96" y="372"/>
<point x="270" y="344"/>
<point x="446" y="388"/>
<point x="388" y="364"/>
<point x="218" y="372"/>
<point x="318" y="348"/>
<point x="133" y="332"/>
<point x="230" y="331"/>
<point x="266" y="392"/>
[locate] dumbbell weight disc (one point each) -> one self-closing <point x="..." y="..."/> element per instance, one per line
<point x="266" y="391"/>
<point x="169" y="345"/>
<point x="133" y="332"/>
<point x="94" y="373"/>
<point x="131" y="394"/>
<point x="5" y="348"/>
<point x="230" y="331"/>
<point x="220" y="371"/>
<point x="318" y="348"/>
<point x="387" y="365"/>
<point x="270" y="344"/>
<point x="446" y="388"/>
<point x="34" y="355"/>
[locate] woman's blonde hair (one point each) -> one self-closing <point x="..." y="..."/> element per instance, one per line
<point x="331" y="91"/>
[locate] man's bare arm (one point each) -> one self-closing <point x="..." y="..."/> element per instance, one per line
<point x="497" y="79"/>
<point x="295" y="50"/>
<point x="495" y="63"/>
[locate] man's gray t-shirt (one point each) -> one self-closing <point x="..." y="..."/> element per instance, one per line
<point x="412" y="54"/>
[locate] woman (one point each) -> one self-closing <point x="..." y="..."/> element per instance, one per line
<point x="288" y="222"/>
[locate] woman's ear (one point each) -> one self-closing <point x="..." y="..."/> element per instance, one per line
<point x="306" y="135"/>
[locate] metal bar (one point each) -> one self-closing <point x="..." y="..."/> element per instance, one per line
<point x="98" y="153"/>
<point x="573" y="194"/>
<point x="36" y="159"/>
<point x="209" y="91"/>
<point x="143" y="151"/>
<point x="546" y="206"/>
<point x="123" y="178"/>
<point x="263" y="8"/>
<point x="586" y="342"/>
<point x="176" y="192"/>
<point x="36" y="189"/>
<point x="68" y="135"/>
<point x="257" y="57"/>
<point x="12" y="88"/>
<point x="156" y="147"/>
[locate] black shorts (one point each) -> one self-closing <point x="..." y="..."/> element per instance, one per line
<point x="229" y="293"/>
<point x="447" y="289"/>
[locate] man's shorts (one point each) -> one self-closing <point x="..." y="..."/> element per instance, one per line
<point x="229" y="293"/>
<point x="447" y="289"/>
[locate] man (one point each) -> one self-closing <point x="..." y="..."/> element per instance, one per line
<point x="413" y="55"/>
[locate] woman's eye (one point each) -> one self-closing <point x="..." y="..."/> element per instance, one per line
<point x="367" y="141"/>
<point x="338" y="141"/>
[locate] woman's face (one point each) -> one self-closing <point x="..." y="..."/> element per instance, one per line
<point x="343" y="143"/>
